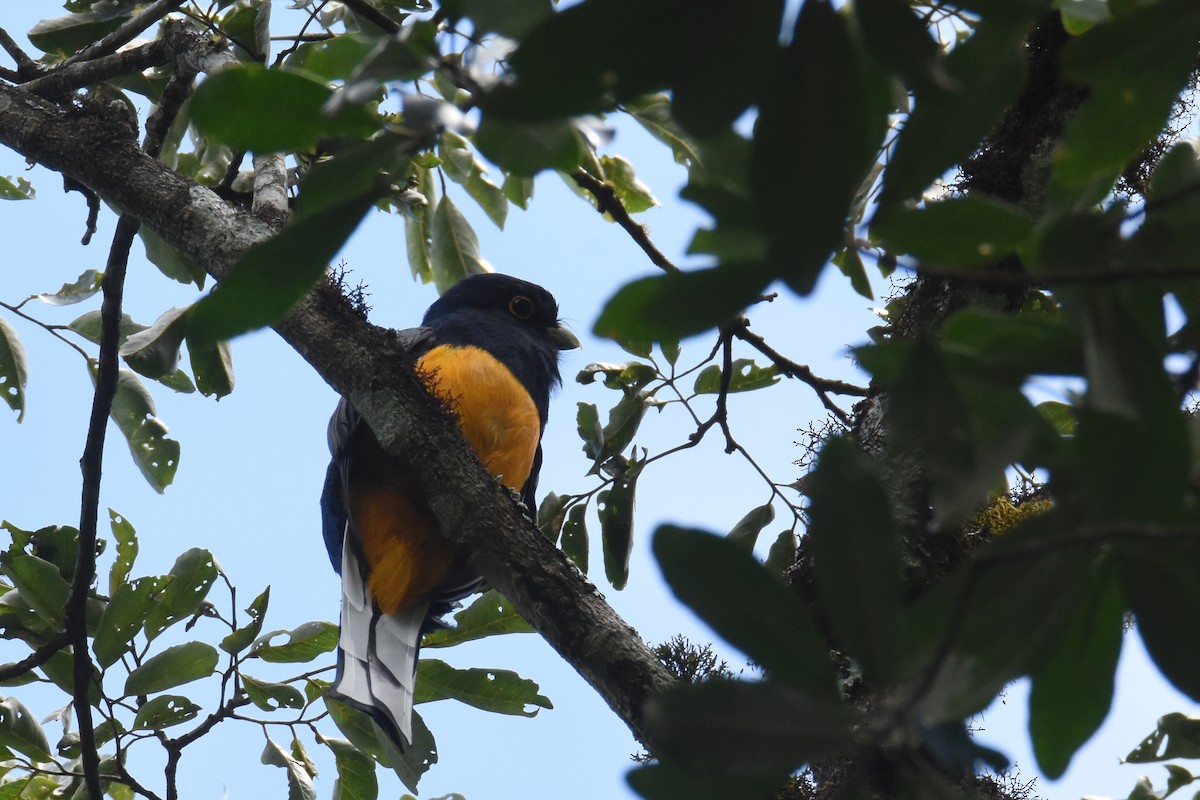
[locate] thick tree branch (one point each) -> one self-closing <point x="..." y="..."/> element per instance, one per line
<point x="85" y="73"/>
<point x="367" y="365"/>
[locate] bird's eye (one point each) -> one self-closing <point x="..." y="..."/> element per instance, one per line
<point x="521" y="307"/>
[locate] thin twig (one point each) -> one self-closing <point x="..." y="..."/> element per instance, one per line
<point x="370" y="13"/>
<point x="607" y="202"/>
<point x="36" y="658"/>
<point x="27" y="68"/>
<point x="128" y="31"/>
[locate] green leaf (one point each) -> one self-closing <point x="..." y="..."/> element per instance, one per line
<point x="526" y="148"/>
<point x="763" y="728"/>
<point x="747" y="529"/>
<point x="156" y="455"/>
<point x="88" y="325"/>
<point x="1072" y="690"/>
<point x="65" y="35"/>
<point x="247" y="26"/>
<point x="123" y="617"/>
<point x="488" y="195"/>
<point x="517" y="189"/>
<point x="984" y="76"/>
<point x="171" y="262"/>
<point x="624" y="419"/>
<point x="496" y="690"/>
<point x="20" y="730"/>
<point x="1177" y="736"/>
<point x="212" y="364"/>
<point x="154" y="352"/>
<point x="1060" y="415"/>
<point x="746" y="376"/>
<point x="333" y="59"/>
<point x="659" y="781"/>
<point x="575" y="537"/>
<point x="631" y="375"/>
<point x="455" y="152"/>
<point x="190" y="579"/>
<point x="356" y="778"/>
<point x="653" y="112"/>
<point x="782" y="554"/>
<point x="249" y="107"/>
<point x="177" y="665"/>
<point x="273" y="276"/>
<point x="856" y="556"/>
<point x="1134" y="67"/>
<point x="85" y="286"/>
<point x="615" y="509"/>
<point x="21" y="189"/>
<point x="679" y="304"/>
<point x="271" y="696"/>
<point x="552" y="513"/>
<point x="1162" y="585"/>
<point x="746" y="605"/>
<point x="490" y="615"/>
<point x="14" y="373"/>
<point x="1080" y="15"/>
<point x="901" y="42"/>
<point x="587" y="423"/>
<point x="850" y="263"/>
<point x="454" y="248"/>
<point x="300" y="784"/>
<point x="127" y="549"/>
<point x="817" y="135"/>
<point x="164" y="711"/>
<point x="41" y="585"/>
<point x="243" y="637"/>
<point x="509" y="18"/>
<point x="956" y="233"/>
<point x="304" y="643"/>
<point x="634" y="195"/>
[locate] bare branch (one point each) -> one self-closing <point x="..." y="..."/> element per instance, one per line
<point x="607" y="202"/>
<point x="27" y="68"/>
<point x="71" y="76"/>
<point x="127" y="32"/>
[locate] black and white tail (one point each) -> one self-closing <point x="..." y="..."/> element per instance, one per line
<point x="377" y="653"/>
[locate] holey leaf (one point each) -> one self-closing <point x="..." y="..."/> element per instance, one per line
<point x="174" y="666"/>
<point x="156" y="455"/>
<point x="13" y="372"/>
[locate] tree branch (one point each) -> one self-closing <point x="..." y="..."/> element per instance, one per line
<point x="607" y="202"/>
<point x="361" y="361"/>
<point x="128" y="31"/>
<point x="71" y="76"/>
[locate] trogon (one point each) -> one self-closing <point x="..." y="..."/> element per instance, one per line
<point x="489" y="347"/>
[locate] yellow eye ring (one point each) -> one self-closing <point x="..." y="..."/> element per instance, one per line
<point x="520" y="307"/>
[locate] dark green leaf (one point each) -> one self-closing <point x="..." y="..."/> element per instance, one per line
<point x="65" y="35"/>
<point x="304" y="643"/>
<point x="1177" y="736"/>
<point x="755" y="729"/>
<point x="174" y="666"/>
<point x="984" y="76"/>
<point x="154" y="352"/>
<point x="41" y="585"/>
<point x="212" y="364"/>
<point x="1013" y="346"/>
<point x="156" y="455"/>
<point x="268" y="110"/>
<point x="13" y="370"/>
<point x="1162" y="585"/>
<point x="271" y="696"/>
<point x="454" y="247"/>
<point x="300" y="783"/>
<point x="623" y="421"/>
<point x="527" y="148"/>
<point x="956" y="233"/>
<point x="615" y="509"/>
<point x="653" y="112"/>
<point x="782" y="554"/>
<point x="244" y="636"/>
<point x="1060" y="415"/>
<point x="127" y="549"/>
<point x="746" y="531"/>
<point x="494" y="690"/>
<point x="488" y="195"/>
<point x="356" y="778"/>
<point x="901" y="41"/>
<point x="680" y="304"/>
<point x="1073" y="689"/>
<point x="634" y="195"/>
<point x="84" y="287"/>
<point x="631" y="375"/>
<point x="491" y="614"/>
<point x="20" y="730"/>
<point x="1134" y="67"/>
<point x="856" y="556"/>
<point x="745" y="604"/>
<point x="851" y="265"/>
<point x="334" y="59"/>
<point x="817" y="135"/>
<point x="123" y="618"/>
<point x="510" y="18"/>
<point x="191" y="577"/>
<point x="552" y="513"/>
<point x="587" y="421"/>
<point x="658" y="781"/>
<point x="1080" y="15"/>
<point x="171" y="262"/>
<point x="575" y="537"/>
<point x="164" y="711"/>
<point x="746" y="377"/>
<point x="363" y="733"/>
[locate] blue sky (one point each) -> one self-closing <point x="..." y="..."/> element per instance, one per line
<point x="251" y="470"/>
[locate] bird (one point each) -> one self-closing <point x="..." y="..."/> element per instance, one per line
<point x="489" y="347"/>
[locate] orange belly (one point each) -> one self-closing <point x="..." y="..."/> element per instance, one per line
<point x="401" y="540"/>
